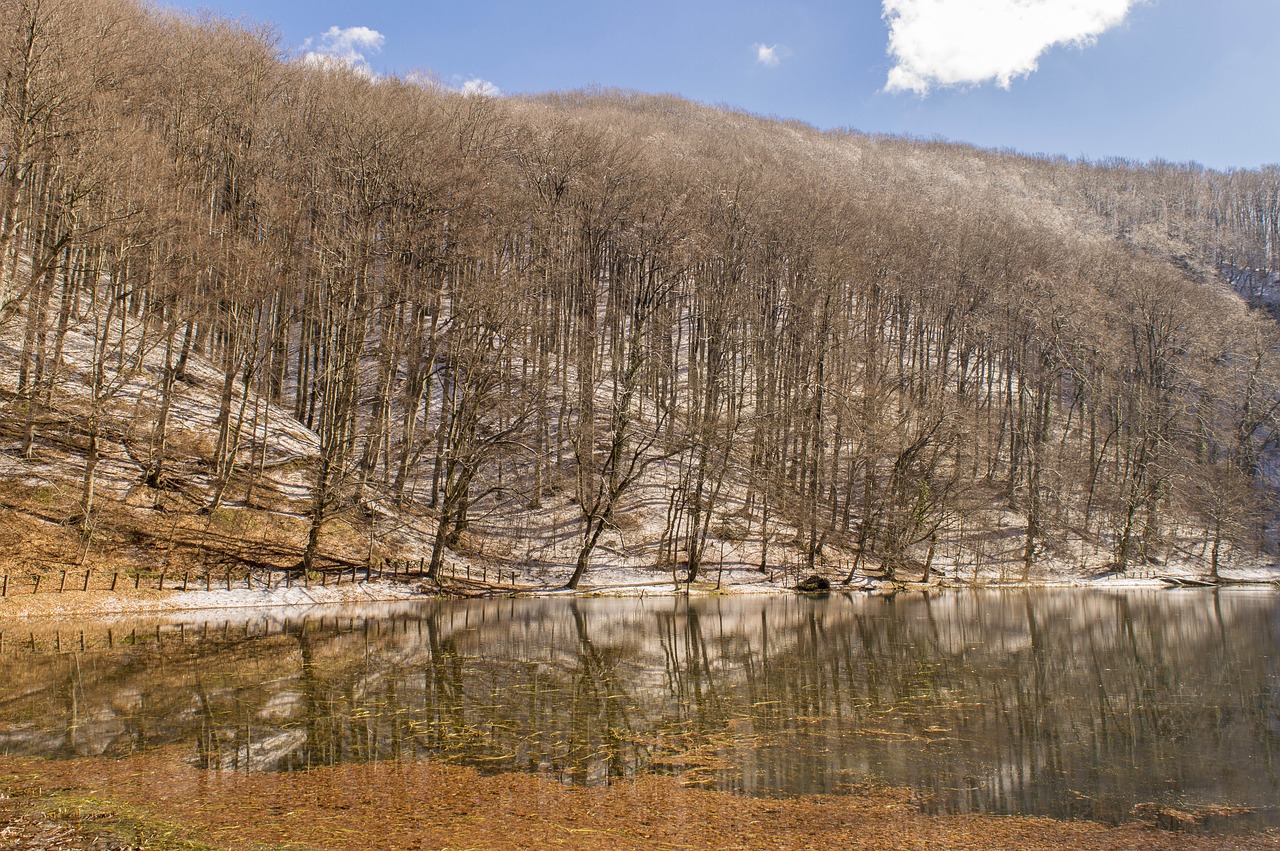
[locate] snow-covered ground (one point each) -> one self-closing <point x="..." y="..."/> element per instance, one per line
<point x="511" y="546"/>
<point x="607" y="580"/>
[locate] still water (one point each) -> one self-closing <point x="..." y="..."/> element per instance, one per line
<point x="1058" y="702"/>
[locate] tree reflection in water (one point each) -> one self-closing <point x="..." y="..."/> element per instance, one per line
<point x="1065" y="703"/>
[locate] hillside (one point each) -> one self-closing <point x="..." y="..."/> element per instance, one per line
<point x="263" y="313"/>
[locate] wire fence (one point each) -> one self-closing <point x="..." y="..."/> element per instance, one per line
<point x="76" y="579"/>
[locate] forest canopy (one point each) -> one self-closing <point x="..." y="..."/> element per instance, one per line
<point x="463" y="307"/>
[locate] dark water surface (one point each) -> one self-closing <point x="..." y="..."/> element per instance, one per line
<point x="1067" y="703"/>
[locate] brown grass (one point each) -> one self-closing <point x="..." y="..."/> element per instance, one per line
<point x="428" y="805"/>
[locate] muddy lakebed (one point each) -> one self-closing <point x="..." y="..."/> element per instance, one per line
<point x="1061" y="703"/>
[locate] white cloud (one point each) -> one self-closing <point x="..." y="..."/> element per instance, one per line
<point x="959" y="42"/>
<point x="769" y="55"/>
<point x="425" y="80"/>
<point x="345" y="46"/>
<point x="471" y="87"/>
<point x="481" y="87"/>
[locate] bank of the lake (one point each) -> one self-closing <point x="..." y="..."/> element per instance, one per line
<point x="65" y="598"/>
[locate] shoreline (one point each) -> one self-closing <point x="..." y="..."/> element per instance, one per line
<point x="621" y="582"/>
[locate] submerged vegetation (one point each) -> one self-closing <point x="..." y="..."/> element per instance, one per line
<point x="153" y="803"/>
<point x="148" y="802"/>
<point x="279" y="313"/>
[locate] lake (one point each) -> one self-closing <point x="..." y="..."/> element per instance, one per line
<point x="1068" y="703"/>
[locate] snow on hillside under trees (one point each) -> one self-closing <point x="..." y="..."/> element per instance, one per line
<point x="276" y="316"/>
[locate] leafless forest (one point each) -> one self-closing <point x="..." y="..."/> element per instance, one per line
<point x="260" y="311"/>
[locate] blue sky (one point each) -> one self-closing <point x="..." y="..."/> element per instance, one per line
<point x="1142" y="79"/>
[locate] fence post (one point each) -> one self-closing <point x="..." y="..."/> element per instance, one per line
<point x="161" y="588"/>
<point x="62" y="584"/>
<point x="114" y="576"/>
<point x="86" y="580"/>
<point x="4" y="592"/>
<point x="36" y="590"/>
